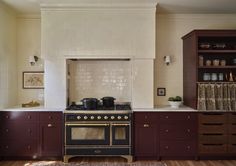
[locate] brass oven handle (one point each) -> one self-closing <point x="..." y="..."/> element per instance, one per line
<point x="120" y="124"/>
<point x="83" y="124"/>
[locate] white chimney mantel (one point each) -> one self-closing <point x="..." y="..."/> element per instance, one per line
<point x="98" y="28"/>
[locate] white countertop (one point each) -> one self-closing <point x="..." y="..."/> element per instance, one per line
<point x="40" y="108"/>
<point x="165" y="109"/>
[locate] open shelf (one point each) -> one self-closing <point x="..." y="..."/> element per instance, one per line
<point x="216" y="82"/>
<point x="217" y="67"/>
<point x="216" y="51"/>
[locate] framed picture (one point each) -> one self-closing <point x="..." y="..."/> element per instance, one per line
<point x="33" y="80"/>
<point x="161" y="91"/>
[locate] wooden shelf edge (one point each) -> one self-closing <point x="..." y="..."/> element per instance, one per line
<point x="212" y="82"/>
<point x="217" y="51"/>
<point x="217" y="67"/>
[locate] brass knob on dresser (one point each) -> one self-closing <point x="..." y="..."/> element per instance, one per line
<point x="167" y="131"/>
<point x="167" y="147"/>
<point x="7" y="130"/>
<point x="49" y="125"/>
<point x="29" y="117"/>
<point x="146" y="125"/>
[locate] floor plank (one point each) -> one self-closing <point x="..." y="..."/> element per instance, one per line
<point x="120" y="162"/>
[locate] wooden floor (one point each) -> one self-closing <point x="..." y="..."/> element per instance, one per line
<point x="120" y="163"/>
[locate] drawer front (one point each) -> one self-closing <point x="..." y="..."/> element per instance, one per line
<point x="50" y="117"/>
<point x="178" y="117"/>
<point x="212" y="148"/>
<point x="232" y="149"/>
<point x="19" y="116"/>
<point x="145" y="117"/>
<point x="232" y="118"/>
<point x="15" y="130"/>
<point x="177" y="148"/>
<point x="213" y="139"/>
<point x="232" y="139"/>
<point x="214" y="118"/>
<point x="173" y="132"/>
<point x="232" y="128"/>
<point x="213" y="129"/>
<point x="14" y="148"/>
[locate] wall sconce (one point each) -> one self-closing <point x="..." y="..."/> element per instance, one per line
<point x="33" y="60"/>
<point x="167" y="60"/>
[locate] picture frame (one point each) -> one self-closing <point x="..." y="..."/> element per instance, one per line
<point x="33" y="80"/>
<point x="161" y="91"/>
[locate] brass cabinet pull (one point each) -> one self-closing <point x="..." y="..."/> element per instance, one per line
<point x="49" y="125"/>
<point x="146" y="125"/>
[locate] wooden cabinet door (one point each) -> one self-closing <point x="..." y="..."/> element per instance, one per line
<point x="51" y="139"/>
<point x="146" y="141"/>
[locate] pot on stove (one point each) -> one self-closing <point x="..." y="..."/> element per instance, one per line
<point x="108" y="102"/>
<point x="90" y="103"/>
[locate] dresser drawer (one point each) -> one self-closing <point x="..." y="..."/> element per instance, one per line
<point x="213" y="128"/>
<point x="213" y="139"/>
<point x="49" y="117"/>
<point x="19" y="116"/>
<point x="177" y="148"/>
<point x="178" y="117"/>
<point x="212" y="148"/>
<point x="232" y="129"/>
<point x="215" y="118"/>
<point x="232" y="139"/>
<point x="24" y="148"/>
<point x="232" y="149"/>
<point x="232" y="118"/>
<point x="173" y="132"/>
<point x="142" y="117"/>
<point x="18" y="131"/>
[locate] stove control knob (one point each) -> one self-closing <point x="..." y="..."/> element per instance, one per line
<point x="112" y="117"/>
<point x="98" y="117"/>
<point x="85" y="117"/>
<point x="126" y="117"/>
<point x="119" y="117"/>
<point x="92" y="117"/>
<point x="78" y="117"/>
<point x="105" y="117"/>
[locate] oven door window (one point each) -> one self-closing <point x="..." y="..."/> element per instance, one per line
<point x="120" y="134"/>
<point x="87" y="134"/>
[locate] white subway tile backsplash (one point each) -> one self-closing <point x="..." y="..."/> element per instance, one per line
<point x="99" y="78"/>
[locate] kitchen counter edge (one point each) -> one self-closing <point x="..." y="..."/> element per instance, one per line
<point x="34" y="109"/>
<point x="180" y="109"/>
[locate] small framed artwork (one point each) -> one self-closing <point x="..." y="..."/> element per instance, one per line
<point x="33" y="80"/>
<point x="161" y="91"/>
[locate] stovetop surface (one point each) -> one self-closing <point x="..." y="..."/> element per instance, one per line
<point x="117" y="107"/>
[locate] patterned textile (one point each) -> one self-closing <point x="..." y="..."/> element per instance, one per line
<point x="216" y="96"/>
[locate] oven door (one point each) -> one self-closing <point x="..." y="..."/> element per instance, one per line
<point x="87" y="134"/>
<point x="121" y="133"/>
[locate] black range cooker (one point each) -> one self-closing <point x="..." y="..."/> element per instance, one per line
<point x="105" y="131"/>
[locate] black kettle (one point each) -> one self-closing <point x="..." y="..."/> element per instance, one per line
<point x="108" y="102"/>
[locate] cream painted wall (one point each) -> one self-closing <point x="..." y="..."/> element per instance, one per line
<point x="28" y="44"/>
<point x="8" y="75"/>
<point x="170" y="29"/>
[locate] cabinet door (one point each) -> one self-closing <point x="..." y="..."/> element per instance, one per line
<point x="51" y="139"/>
<point x="146" y="141"/>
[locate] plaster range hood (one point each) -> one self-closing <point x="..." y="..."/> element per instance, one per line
<point x="99" y="30"/>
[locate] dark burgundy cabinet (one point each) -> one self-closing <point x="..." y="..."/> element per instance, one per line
<point x="178" y="135"/>
<point x="146" y="136"/>
<point x="165" y="135"/>
<point x="27" y="134"/>
<point x="51" y="134"/>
